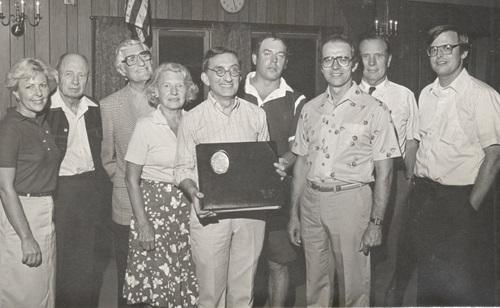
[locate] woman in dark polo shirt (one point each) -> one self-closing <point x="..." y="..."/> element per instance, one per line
<point x="29" y="161"/>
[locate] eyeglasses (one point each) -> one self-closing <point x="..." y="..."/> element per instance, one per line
<point x="445" y="49"/>
<point x="220" y="71"/>
<point x="342" y="61"/>
<point x="132" y="59"/>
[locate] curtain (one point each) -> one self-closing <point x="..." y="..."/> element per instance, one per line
<point x="108" y="33"/>
<point x="237" y="37"/>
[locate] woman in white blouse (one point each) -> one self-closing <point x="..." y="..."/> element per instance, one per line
<point x="160" y="270"/>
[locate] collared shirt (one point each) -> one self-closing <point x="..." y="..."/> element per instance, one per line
<point x="78" y="158"/>
<point x="456" y="123"/>
<point x="153" y="145"/>
<point x="403" y="107"/>
<point x="206" y="123"/>
<point x="28" y="146"/>
<point x="282" y="107"/>
<point x="341" y="143"/>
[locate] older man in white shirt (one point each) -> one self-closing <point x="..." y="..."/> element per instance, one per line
<point x="376" y="57"/>
<point x="76" y="125"/>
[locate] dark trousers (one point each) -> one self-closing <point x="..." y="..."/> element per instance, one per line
<point x="76" y="204"/>
<point x="120" y="243"/>
<point x="454" y="247"/>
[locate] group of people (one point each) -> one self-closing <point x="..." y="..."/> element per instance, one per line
<point x="353" y="154"/>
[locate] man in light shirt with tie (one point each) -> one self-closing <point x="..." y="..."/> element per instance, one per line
<point x="75" y="122"/>
<point x="376" y="57"/>
<point x="456" y="166"/>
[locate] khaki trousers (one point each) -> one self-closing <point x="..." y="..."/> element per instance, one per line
<point x="332" y="224"/>
<point x="21" y="285"/>
<point x="226" y="254"/>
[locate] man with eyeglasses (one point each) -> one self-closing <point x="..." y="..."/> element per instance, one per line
<point x="266" y="88"/>
<point x="120" y="112"/>
<point x="457" y="162"/>
<point x="376" y="58"/>
<point x="342" y="136"/>
<point x="226" y="247"/>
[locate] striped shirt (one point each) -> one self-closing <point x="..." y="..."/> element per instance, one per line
<point x="208" y="124"/>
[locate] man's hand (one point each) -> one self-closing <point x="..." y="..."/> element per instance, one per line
<point x="294" y="230"/>
<point x="146" y="236"/>
<point x="371" y="238"/>
<point x="32" y="254"/>
<point x="196" y="195"/>
<point x="281" y="166"/>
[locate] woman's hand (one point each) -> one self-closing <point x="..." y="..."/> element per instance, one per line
<point x="146" y="235"/>
<point x="32" y="254"/>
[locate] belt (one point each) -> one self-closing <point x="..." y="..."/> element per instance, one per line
<point x="334" y="188"/>
<point x="41" y="194"/>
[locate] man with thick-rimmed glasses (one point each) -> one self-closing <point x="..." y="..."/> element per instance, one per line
<point x="342" y="135"/>
<point x="226" y="247"/>
<point x="119" y="112"/>
<point x="457" y="162"/>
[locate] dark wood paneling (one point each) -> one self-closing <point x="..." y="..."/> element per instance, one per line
<point x="161" y="9"/>
<point x="197" y="7"/>
<point x="273" y="11"/>
<point x="42" y="31"/>
<point x="73" y="28"/>
<point x="85" y="36"/>
<point x="210" y="7"/>
<point x="175" y="9"/>
<point x="301" y="12"/>
<point x="290" y="12"/>
<point x="99" y="7"/>
<point x="187" y="9"/>
<point x="261" y="11"/>
<point x="66" y="28"/>
<point x="58" y="37"/>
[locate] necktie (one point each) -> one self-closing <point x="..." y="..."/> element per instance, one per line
<point x="370" y="91"/>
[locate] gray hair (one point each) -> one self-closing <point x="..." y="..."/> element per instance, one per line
<point x="119" y="51"/>
<point x="152" y="85"/>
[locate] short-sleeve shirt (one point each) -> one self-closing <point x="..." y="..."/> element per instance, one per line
<point x="402" y="106"/>
<point x="282" y="107"/>
<point x="341" y="143"/>
<point x="153" y="145"/>
<point x="456" y="123"/>
<point x="30" y="148"/>
<point x="206" y="123"/>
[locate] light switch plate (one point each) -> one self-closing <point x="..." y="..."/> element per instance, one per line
<point x="72" y="2"/>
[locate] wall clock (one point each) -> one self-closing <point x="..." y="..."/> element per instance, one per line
<point x="232" y="6"/>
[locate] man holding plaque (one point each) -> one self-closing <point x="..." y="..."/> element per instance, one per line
<point x="226" y="247"/>
<point x="266" y="88"/>
<point x="342" y="136"/>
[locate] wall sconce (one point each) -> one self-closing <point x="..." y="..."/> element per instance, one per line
<point x="387" y="27"/>
<point x="19" y="19"/>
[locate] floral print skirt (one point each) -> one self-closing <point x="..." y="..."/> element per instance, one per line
<point x="165" y="276"/>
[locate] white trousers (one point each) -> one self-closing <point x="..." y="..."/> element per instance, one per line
<point x="226" y="254"/>
<point x="21" y="285"/>
<point x="332" y="224"/>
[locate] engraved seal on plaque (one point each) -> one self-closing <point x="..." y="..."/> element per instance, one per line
<point x="219" y="162"/>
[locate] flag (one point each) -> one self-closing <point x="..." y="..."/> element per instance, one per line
<point x="138" y="16"/>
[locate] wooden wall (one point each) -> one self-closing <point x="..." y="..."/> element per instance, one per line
<point x="67" y="28"/>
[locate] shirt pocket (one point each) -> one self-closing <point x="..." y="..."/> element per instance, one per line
<point x="352" y="134"/>
<point x="453" y="134"/>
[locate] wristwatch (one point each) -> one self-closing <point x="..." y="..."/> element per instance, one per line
<point x="376" y="221"/>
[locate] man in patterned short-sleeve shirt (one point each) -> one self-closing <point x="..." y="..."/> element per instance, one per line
<point x="342" y="136"/>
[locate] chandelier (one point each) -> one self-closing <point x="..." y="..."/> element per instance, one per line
<point x="19" y="19"/>
<point x="385" y="26"/>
